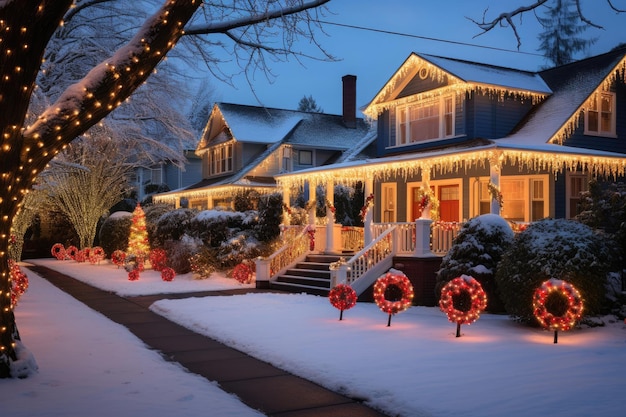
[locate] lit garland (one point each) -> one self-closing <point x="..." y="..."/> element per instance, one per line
<point x="557" y="305"/>
<point x="58" y="251"/>
<point x="310" y="230"/>
<point x="243" y="273"/>
<point x="330" y="206"/>
<point x="463" y="299"/>
<point x="495" y="193"/>
<point x="369" y="202"/>
<point x="426" y="198"/>
<point x="118" y="257"/>
<point x="167" y="274"/>
<point x="342" y="297"/>
<point x="396" y="282"/>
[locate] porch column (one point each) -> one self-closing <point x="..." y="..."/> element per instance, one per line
<point x="209" y="202"/>
<point x="330" y="216"/>
<point x="422" y="238"/>
<point x="286" y="205"/>
<point x="368" y="233"/>
<point x="312" y="199"/>
<point x="494" y="182"/>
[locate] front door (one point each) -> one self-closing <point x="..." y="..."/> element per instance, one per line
<point x="448" y="203"/>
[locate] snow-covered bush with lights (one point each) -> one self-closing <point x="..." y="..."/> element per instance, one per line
<point x="172" y="225"/>
<point x="559" y="249"/>
<point x="115" y="231"/>
<point x="153" y="213"/>
<point x="476" y="251"/>
<point x="270" y="212"/>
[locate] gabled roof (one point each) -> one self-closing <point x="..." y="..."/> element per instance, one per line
<point x="459" y="76"/>
<point x="552" y="120"/>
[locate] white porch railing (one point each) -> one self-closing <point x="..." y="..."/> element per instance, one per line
<point x="364" y="267"/>
<point x="294" y="249"/>
<point x="441" y="236"/>
<point x="351" y="238"/>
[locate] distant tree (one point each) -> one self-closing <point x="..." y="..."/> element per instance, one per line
<point x="506" y="19"/>
<point x="562" y="33"/>
<point x="308" y="104"/>
<point x="87" y="179"/>
<point x="201" y="106"/>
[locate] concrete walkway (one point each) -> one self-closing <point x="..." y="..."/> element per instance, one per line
<point x="256" y="383"/>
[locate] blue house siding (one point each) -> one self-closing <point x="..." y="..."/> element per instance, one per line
<point x="494" y="118"/>
<point x="418" y="85"/>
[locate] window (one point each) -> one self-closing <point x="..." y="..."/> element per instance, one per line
<point x="576" y="184"/>
<point x="600" y="115"/>
<point x="388" y="202"/>
<point x="305" y="157"/>
<point x="425" y="120"/>
<point x="525" y="198"/>
<point x="221" y="159"/>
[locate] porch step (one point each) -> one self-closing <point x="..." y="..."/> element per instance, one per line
<point x="311" y="276"/>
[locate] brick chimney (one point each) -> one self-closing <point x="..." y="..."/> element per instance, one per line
<point x="349" y="101"/>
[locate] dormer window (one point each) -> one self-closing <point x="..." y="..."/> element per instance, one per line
<point x="600" y="115"/>
<point x="221" y="159"/>
<point x="425" y="120"/>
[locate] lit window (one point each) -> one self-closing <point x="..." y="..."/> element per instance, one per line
<point x="221" y="159"/>
<point x="600" y="115"/>
<point x="425" y="120"/>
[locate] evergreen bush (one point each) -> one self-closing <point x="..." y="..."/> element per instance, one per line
<point x="554" y="248"/>
<point x="153" y="213"/>
<point x="270" y="217"/>
<point x="476" y="251"/>
<point x="115" y="231"/>
<point x="172" y="226"/>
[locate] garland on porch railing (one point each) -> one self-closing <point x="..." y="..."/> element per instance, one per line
<point x="330" y="206"/>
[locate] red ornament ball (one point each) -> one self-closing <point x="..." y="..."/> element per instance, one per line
<point x="243" y="273"/>
<point x="118" y="257"/>
<point x="463" y="299"/>
<point x="96" y="254"/>
<point x="401" y="284"/>
<point x="555" y="317"/>
<point x="342" y="297"/>
<point x="133" y="275"/>
<point x="167" y="274"/>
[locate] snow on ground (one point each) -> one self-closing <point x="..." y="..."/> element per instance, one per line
<point x="415" y="367"/>
<point x="90" y="366"/>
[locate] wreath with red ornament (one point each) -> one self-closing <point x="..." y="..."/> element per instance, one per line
<point x="463" y="299"/>
<point x="369" y="202"/>
<point x="167" y="274"/>
<point x="557" y="305"/>
<point x="243" y="273"/>
<point x="342" y="297"/>
<point x="393" y="293"/>
<point x="58" y="251"/>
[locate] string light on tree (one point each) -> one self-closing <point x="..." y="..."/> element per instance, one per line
<point x="138" y="244"/>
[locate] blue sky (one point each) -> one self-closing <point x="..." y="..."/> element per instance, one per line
<point x="373" y="57"/>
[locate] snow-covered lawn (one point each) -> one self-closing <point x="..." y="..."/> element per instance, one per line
<point x="415" y="367"/>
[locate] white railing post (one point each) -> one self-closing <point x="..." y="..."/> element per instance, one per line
<point x="263" y="273"/>
<point x="422" y="238"/>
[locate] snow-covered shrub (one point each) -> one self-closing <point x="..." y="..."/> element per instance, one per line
<point x="180" y="252"/>
<point x="476" y="251"/>
<point x="553" y="248"/>
<point x="240" y="247"/>
<point x="115" y="231"/>
<point x="153" y="213"/>
<point x="172" y="226"/>
<point x="244" y="201"/>
<point x="216" y="226"/>
<point x="270" y="217"/>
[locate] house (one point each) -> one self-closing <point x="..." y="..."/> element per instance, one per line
<point x="469" y="138"/>
<point x="243" y="147"/>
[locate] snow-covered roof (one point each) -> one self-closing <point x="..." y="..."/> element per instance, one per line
<point x="474" y="72"/>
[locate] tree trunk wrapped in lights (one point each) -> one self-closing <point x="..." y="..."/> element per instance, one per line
<point x="26" y="28"/>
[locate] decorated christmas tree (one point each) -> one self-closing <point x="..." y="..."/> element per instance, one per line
<point x="138" y="239"/>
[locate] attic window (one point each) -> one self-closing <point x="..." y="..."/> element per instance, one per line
<point x="425" y="120"/>
<point x="221" y="159"/>
<point x="600" y="115"/>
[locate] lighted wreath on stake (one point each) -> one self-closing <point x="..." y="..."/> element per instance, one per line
<point x="118" y="257"/>
<point x="71" y="252"/>
<point x="393" y="293"/>
<point x="557" y="305"/>
<point x="58" y="251"/>
<point x="96" y="254"/>
<point x="463" y="299"/>
<point x="342" y="297"/>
